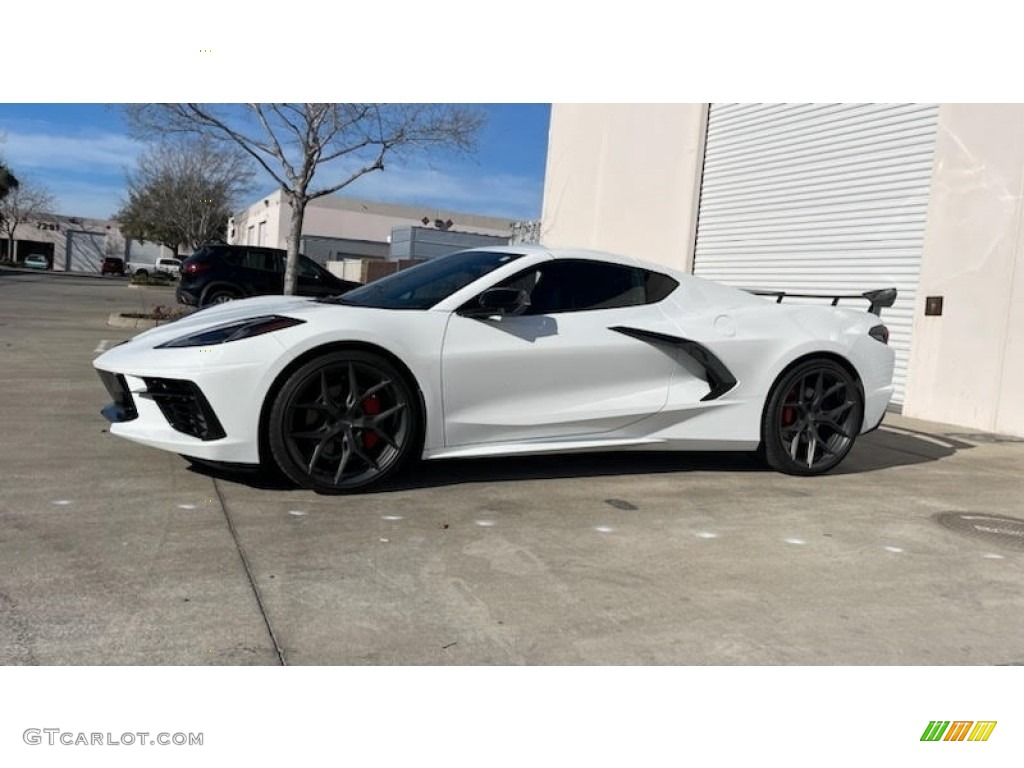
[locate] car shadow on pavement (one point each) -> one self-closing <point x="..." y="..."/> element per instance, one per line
<point x="882" y="449"/>
<point x="891" y="446"/>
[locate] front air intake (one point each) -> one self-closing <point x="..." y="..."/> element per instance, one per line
<point x="123" y="407"/>
<point x="185" y="407"/>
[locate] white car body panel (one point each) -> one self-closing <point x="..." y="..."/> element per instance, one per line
<point x="563" y="382"/>
<point x="550" y="376"/>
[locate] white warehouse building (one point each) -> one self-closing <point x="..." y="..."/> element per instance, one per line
<point x="337" y="228"/>
<point x="825" y="198"/>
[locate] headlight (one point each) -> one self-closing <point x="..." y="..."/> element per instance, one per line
<point x="254" y="326"/>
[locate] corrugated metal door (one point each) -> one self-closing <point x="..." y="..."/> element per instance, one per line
<point x="85" y="251"/>
<point x="819" y="198"/>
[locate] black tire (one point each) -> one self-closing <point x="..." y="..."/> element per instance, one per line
<point x="814" y="413"/>
<point x="218" y="296"/>
<point x="141" y="273"/>
<point x="344" y="421"/>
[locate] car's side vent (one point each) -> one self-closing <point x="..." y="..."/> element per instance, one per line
<point x="719" y="378"/>
<point x="185" y="407"/>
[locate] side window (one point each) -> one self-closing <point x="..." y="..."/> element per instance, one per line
<point x="308" y="269"/>
<point x="264" y="261"/>
<point x="607" y="286"/>
<point x="658" y="286"/>
<point x="577" y="285"/>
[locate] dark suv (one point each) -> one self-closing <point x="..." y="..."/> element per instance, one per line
<point x="219" y="273"/>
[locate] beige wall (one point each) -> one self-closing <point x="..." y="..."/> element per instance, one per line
<point x="351" y="218"/>
<point x="967" y="366"/>
<point x="625" y="178"/>
<point x="272" y="211"/>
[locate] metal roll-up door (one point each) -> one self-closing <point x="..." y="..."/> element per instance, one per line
<point x="85" y="251"/>
<point x="819" y="198"/>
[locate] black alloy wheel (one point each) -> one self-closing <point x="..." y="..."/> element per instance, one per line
<point x="344" y="421"/>
<point x="812" y="419"/>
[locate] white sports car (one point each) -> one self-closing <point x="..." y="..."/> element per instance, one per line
<point x="500" y="351"/>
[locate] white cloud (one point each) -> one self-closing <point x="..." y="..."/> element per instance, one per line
<point x="460" y="188"/>
<point x="103" y="152"/>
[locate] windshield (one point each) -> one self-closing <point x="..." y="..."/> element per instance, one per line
<point x="424" y="285"/>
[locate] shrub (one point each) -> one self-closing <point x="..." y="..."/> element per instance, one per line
<point x="153" y="278"/>
<point x="161" y="313"/>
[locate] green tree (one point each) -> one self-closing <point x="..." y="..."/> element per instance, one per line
<point x="8" y="181"/>
<point x="292" y="142"/>
<point x="182" y="193"/>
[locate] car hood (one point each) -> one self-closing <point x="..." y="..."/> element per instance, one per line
<point x="232" y="312"/>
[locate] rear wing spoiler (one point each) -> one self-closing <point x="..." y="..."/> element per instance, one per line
<point x="879" y="299"/>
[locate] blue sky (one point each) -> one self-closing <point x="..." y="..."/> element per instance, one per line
<point x="80" y="152"/>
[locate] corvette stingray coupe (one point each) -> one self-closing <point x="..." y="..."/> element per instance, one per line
<point x="502" y="351"/>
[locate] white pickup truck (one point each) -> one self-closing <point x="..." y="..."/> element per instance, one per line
<point x="162" y="264"/>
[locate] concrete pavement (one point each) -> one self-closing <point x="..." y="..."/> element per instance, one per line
<point x="112" y="553"/>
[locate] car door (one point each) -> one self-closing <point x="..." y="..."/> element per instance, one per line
<point x="313" y="280"/>
<point x="558" y="369"/>
<point x="264" y="272"/>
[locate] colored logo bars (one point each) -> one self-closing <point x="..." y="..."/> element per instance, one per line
<point x="958" y="730"/>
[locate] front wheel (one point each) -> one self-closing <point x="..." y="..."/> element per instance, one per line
<point x="344" y="421"/>
<point x="813" y="416"/>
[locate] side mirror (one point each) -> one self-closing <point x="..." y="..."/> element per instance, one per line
<point x="498" y="302"/>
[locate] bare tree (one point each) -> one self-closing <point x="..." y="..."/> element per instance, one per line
<point x="291" y="142"/>
<point x="182" y="193"/>
<point x="25" y="201"/>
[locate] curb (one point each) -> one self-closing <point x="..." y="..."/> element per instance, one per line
<point x="53" y="272"/>
<point x="118" y="320"/>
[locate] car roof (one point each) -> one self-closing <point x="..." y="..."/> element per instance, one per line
<point x="582" y="253"/>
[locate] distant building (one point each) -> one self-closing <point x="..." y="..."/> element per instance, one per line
<point x="337" y="228"/>
<point x="426" y="243"/>
<point x="75" y="243"/>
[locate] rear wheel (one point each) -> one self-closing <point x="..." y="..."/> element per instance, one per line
<point x="812" y="419"/>
<point x="218" y="296"/>
<point x="343" y="422"/>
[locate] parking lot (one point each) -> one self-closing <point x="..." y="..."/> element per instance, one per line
<point x="112" y="553"/>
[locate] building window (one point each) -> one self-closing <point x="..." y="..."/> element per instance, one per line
<point x="250" y="238"/>
<point x="261" y="238"/>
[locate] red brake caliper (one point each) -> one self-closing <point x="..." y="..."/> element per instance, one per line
<point x="788" y="412"/>
<point x="371" y="407"/>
